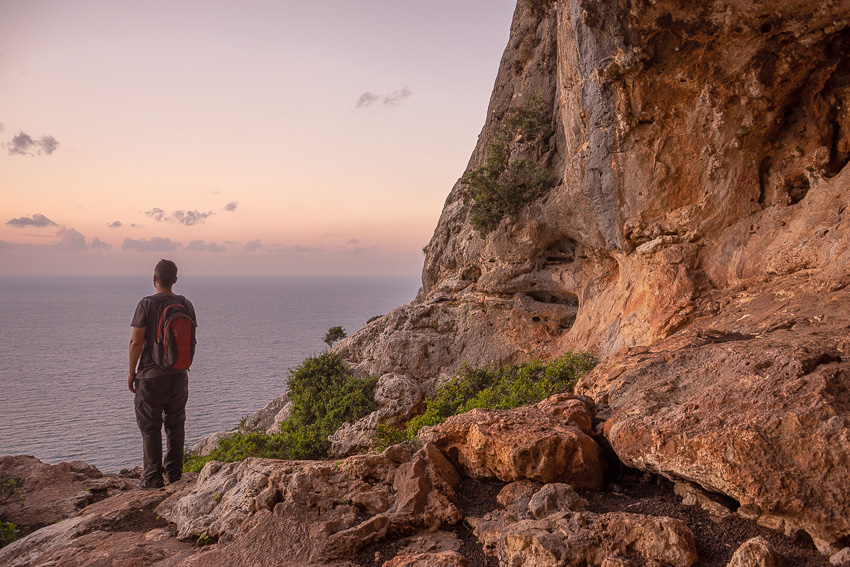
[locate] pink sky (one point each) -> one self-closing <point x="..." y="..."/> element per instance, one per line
<point x="262" y="137"/>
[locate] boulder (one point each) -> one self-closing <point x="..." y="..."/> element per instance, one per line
<point x="585" y="539"/>
<point x="263" y="511"/>
<point x="440" y="559"/>
<point x="52" y="493"/>
<point x="755" y="552"/>
<point x="120" y="530"/>
<point x="542" y="442"/>
<point x="759" y="412"/>
<point x="555" y="498"/>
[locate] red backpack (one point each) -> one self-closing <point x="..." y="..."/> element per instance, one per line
<point x="174" y="346"/>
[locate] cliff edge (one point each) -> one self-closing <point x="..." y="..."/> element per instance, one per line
<point x="693" y="234"/>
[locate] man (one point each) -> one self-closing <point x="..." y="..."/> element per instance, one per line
<point x="159" y="391"/>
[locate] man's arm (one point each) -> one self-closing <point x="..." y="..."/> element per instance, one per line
<point x="137" y="340"/>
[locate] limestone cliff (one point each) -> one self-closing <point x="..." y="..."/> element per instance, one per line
<point x="686" y="145"/>
<point x="695" y="238"/>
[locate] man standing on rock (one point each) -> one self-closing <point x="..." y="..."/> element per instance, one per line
<point x="161" y="392"/>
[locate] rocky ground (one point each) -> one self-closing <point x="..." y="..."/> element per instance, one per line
<point x="474" y="494"/>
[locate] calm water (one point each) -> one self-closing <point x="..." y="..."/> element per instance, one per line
<point x="63" y="354"/>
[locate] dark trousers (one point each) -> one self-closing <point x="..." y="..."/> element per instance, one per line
<point x="162" y="400"/>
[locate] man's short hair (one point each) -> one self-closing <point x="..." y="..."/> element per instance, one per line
<point x="165" y="272"/>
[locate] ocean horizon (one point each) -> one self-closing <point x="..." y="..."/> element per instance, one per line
<point x="64" y="343"/>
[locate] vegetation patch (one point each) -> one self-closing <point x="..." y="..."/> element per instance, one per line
<point x="10" y="493"/>
<point x="323" y="395"/>
<point x="510" y="178"/>
<point x="505" y="388"/>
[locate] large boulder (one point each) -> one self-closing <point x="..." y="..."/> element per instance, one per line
<point x="544" y="442"/>
<point x="269" y="512"/>
<point x="753" y="403"/>
<point x="583" y="539"/>
<point x="50" y="493"/>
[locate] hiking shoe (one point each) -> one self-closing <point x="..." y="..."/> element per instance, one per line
<point x="149" y="485"/>
<point x="173" y="479"/>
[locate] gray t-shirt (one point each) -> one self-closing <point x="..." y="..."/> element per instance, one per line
<point x="145" y="316"/>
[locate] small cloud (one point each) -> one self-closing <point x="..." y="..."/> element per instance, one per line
<point x="1" y="127"/>
<point x="201" y="246"/>
<point x="387" y="100"/>
<point x="70" y="239"/>
<point x="37" y="220"/>
<point x="114" y="224"/>
<point x="304" y="249"/>
<point x="98" y="244"/>
<point x="231" y="206"/>
<point x="157" y="214"/>
<point x="48" y="144"/>
<point x="252" y="246"/>
<point x="191" y="218"/>
<point x="367" y="99"/>
<point x="23" y="144"/>
<point x="187" y="218"/>
<point x="395" y="98"/>
<point x="230" y="243"/>
<point x="354" y="241"/>
<point x="155" y="244"/>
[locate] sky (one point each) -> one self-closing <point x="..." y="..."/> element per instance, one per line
<point x="251" y="137"/>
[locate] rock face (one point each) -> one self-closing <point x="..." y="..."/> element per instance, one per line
<point x="696" y="239"/>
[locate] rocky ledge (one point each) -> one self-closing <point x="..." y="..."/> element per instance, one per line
<point x="531" y="486"/>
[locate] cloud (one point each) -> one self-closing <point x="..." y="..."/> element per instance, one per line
<point x="155" y="244"/>
<point x="367" y="99"/>
<point x="114" y="224"/>
<point x="70" y="239"/>
<point x="191" y="218"/>
<point x="37" y="220"/>
<point x="98" y="244"/>
<point x="188" y="218"/>
<point x="252" y="246"/>
<point x="1" y="127"/>
<point x="354" y="241"/>
<point x="231" y="206"/>
<point x="157" y="214"/>
<point x="23" y="144"/>
<point x="201" y="246"/>
<point x="387" y="100"/>
<point x="48" y="144"/>
<point x="303" y="249"/>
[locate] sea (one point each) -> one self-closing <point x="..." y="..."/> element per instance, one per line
<point x="64" y="352"/>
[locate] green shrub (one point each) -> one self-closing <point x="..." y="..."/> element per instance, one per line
<point x="8" y="533"/>
<point x="323" y="395"/>
<point x="505" y="388"/>
<point x="375" y="318"/>
<point x="505" y="184"/>
<point x="10" y="492"/>
<point x="238" y="447"/>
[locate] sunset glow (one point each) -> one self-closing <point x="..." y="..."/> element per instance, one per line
<point x="253" y="137"/>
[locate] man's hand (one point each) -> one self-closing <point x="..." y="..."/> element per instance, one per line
<point x="137" y="340"/>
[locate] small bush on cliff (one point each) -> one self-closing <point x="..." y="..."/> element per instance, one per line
<point x="505" y="388"/>
<point x="333" y="335"/>
<point x="10" y="493"/>
<point x="502" y="186"/>
<point x="323" y="395"/>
